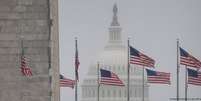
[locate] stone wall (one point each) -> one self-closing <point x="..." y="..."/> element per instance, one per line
<point x="37" y="22"/>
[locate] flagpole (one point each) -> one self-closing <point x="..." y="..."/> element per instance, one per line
<point x="128" y="74"/>
<point x="143" y="83"/>
<point x="98" y="84"/>
<point x="76" y="90"/>
<point x="76" y="99"/>
<point x="22" y="54"/>
<point x="22" y="46"/>
<point x="178" y="64"/>
<point x="186" y="84"/>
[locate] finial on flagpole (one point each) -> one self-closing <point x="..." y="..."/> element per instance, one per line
<point x="178" y="41"/>
<point x="178" y="36"/>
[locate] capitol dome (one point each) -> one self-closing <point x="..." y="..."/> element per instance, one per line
<point x="117" y="56"/>
<point x="114" y="57"/>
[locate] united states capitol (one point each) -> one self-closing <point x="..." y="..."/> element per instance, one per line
<point x="114" y="58"/>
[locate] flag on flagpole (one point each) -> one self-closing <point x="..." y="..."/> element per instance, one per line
<point x="25" y="69"/>
<point x="189" y="60"/>
<point x="139" y="58"/>
<point x="158" y="77"/>
<point x="77" y="63"/>
<point x="110" y="78"/>
<point x="64" y="82"/>
<point x="194" y="77"/>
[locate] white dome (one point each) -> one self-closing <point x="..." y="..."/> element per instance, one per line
<point x="114" y="57"/>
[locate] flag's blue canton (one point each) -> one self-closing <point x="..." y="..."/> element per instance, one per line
<point x="65" y="82"/>
<point x="158" y="77"/>
<point x="151" y="73"/>
<point x="134" y="52"/>
<point x="61" y="76"/>
<point x="105" y="73"/>
<point x="188" y="60"/>
<point x="138" y="58"/>
<point x="110" y="78"/>
<point x="183" y="53"/>
<point x="192" y="73"/>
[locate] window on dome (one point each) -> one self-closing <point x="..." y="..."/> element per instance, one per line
<point x="123" y="70"/>
<point x="83" y="92"/>
<point x="140" y="92"/>
<point x="134" y="70"/>
<point x="135" y="92"/>
<point x="109" y="68"/>
<point x="92" y="93"/>
<point x="114" y="68"/>
<point x="146" y="92"/>
<point x="115" y="35"/>
<point x="108" y="93"/>
<point x="125" y="93"/>
<point x="114" y="93"/>
<point x="112" y="35"/>
<point x="87" y="93"/>
<point x="120" y="93"/>
<point x="131" y="70"/>
<point x="103" y="93"/>
<point x="119" y="69"/>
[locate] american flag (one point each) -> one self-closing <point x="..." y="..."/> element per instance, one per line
<point x="26" y="71"/>
<point x="77" y="63"/>
<point x="64" y="82"/>
<point x="194" y="77"/>
<point x="109" y="78"/>
<point x="158" y="77"/>
<point x="139" y="58"/>
<point x="189" y="60"/>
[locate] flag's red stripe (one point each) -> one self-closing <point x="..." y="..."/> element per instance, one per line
<point x="113" y="80"/>
<point x="160" y="77"/>
<point x="190" y="61"/>
<point x="163" y="78"/>
<point x="67" y="83"/>
<point x="26" y="71"/>
<point x="195" y="80"/>
<point x="137" y="61"/>
<point x="160" y="82"/>
<point x="113" y="84"/>
<point x="142" y="59"/>
<point x="141" y="63"/>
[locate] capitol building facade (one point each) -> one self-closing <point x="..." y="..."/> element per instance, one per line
<point x="115" y="58"/>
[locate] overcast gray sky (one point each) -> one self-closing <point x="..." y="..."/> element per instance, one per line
<point x="152" y="25"/>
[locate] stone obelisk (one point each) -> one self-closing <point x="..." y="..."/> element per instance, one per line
<point x="36" y="23"/>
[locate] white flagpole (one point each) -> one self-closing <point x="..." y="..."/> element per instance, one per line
<point x="178" y="64"/>
<point x="186" y="84"/>
<point x="143" y="83"/>
<point x="76" y="98"/>
<point x="98" y="84"/>
<point x="128" y="73"/>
